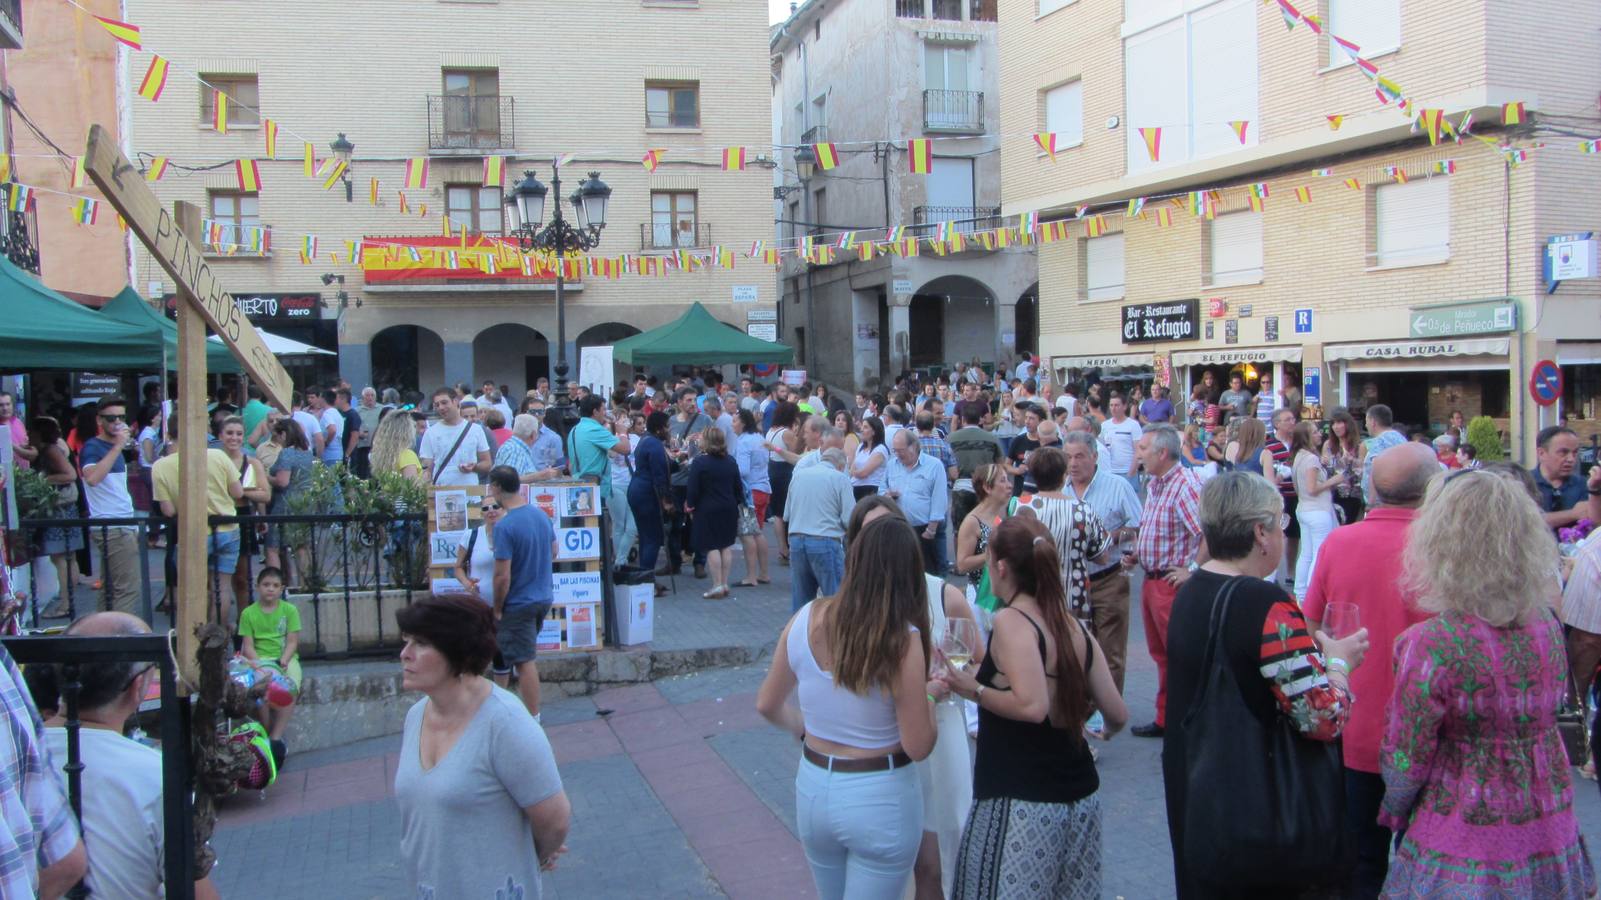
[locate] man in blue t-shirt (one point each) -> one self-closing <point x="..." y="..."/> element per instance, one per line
<point x="525" y="548"/>
<point x="105" y="488"/>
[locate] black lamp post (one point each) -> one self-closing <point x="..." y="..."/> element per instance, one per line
<point x="343" y="148"/>
<point x="525" y="213"/>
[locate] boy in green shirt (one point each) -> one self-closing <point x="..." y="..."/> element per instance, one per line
<point x="271" y="632"/>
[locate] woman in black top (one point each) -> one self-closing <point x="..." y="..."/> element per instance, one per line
<point x="1035" y="826"/>
<point x="715" y="493"/>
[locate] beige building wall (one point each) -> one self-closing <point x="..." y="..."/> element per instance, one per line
<point x="1456" y="56"/>
<point x="64" y="80"/>
<point x="576" y="74"/>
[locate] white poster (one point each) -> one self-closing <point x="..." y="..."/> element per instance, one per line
<point x="577" y="543"/>
<point x="595" y="369"/>
<point x="794" y="377"/>
<point x="450" y="510"/>
<point x="577" y="587"/>
<point x="581" y="632"/>
<point x="442" y="547"/>
<point x="439" y="586"/>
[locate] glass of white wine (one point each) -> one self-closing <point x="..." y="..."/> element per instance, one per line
<point x="958" y="643"/>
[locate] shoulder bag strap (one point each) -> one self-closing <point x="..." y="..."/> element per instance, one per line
<point x="1217" y="635"/>
<point x="472" y="541"/>
<point x="439" y="467"/>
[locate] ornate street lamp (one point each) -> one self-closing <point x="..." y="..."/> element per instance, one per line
<point x="343" y="148"/>
<point x="525" y="215"/>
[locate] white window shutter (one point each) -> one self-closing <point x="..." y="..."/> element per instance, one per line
<point x="1373" y="25"/>
<point x="1064" y="112"/>
<point x="1103" y="267"/>
<point x="1237" y="248"/>
<point x="1413" y="221"/>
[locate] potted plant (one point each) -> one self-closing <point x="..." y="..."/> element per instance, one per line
<point x="1486" y="440"/>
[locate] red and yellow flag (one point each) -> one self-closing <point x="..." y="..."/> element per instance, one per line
<point x="269" y="129"/>
<point x="1239" y="127"/>
<point x="1257" y="203"/>
<point x="1354" y="184"/>
<point x="219" y="111"/>
<point x="1047" y="143"/>
<point x="79" y="176"/>
<point x="1303" y="194"/>
<point x="1153" y="142"/>
<point x="155" y="79"/>
<point x="311" y="160"/>
<point x="417" y="173"/>
<point x="652" y="158"/>
<point x="1095" y="226"/>
<point x="494" y="171"/>
<point x="1430" y="119"/>
<point x="335" y="172"/>
<point x="372" y="191"/>
<point x="733" y="159"/>
<point x="1164" y="216"/>
<point x="827" y="156"/>
<point x="1335" y="122"/>
<point x="1512" y="113"/>
<point x="920" y="155"/>
<point x="404" y="206"/>
<point x="249" y="175"/>
<point x="158" y="168"/>
<point x="122" y="31"/>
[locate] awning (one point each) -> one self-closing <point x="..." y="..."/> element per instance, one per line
<point x="1578" y="353"/>
<point x="1389" y="350"/>
<point x="1230" y="357"/>
<point x="278" y="345"/>
<point x="1115" y="361"/>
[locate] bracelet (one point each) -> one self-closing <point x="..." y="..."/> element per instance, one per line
<point x="931" y="699"/>
<point x="1334" y="662"/>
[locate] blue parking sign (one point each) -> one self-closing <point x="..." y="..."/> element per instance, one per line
<point x="1303" y="321"/>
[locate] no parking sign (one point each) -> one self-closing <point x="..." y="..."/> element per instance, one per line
<point x="1545" y="382"/>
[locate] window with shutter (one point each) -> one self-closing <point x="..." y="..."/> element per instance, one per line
<point x="1373" y="25"/>
<point x="1189" y="74"/>
<point x="1103" y="267"/>
<point x="1236" y="251"/>
<point x="1412" y="222"/>
<point x="1064" y="112"/>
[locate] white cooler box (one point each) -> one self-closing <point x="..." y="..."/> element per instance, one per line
<point x="636" y="615"/>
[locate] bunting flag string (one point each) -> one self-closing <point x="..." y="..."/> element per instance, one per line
<point x="1303" y="194"/>
<point x="249" y="175"/>
<point x="1240" y="126"/>
<point x="920" y="156"/>
<point x="269" y="130"/>
<point x="1335" y="122"/>
<point x="416" y="173"/>
<point x="372" y="191"/>
<point x="494" y="172"/>
<point x="734" y="159"/>
<point x="1046" y="141"/>
<point x="1153" y="142"/>
<point x="122" y="31"/>
<point x="335" y="172"/>
<point x="827" y="156"/>
<point x="155" y="80"/>
<point x="85" y="210"/>
<point x="158" y="168"/>
<point x="311" y="160"/>
<point x="80" y="177"/>
<point x="404" y="207"/>
<point x="1512" y="113"/>
<point x="219" y="111"/>
<point x="652" y="158"/>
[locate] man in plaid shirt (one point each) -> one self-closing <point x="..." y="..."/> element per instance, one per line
<point x="41" y="853"/>
<point x="937" y="447"/>
<point x="1168" y="544"/>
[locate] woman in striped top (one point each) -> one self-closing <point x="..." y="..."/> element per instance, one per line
<point x="1280" y="668"/>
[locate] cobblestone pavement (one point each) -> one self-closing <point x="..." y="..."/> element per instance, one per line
<point x="678" y="790"/>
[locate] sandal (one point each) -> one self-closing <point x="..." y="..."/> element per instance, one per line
<point x="745" y="583"/>
<point x="717" y="593"/>
<point x="764" y="581"/>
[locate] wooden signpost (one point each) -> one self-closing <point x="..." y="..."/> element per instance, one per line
<point x="172" y="238"/>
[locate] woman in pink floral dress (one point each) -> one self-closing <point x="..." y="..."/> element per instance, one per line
<point x="1474" y="768"/>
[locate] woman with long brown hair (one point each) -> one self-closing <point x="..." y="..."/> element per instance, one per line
<point x="1035" y="826"/>
<point x="858" y="664"/>
<point x="1342" y="455"/>
<point x="1248" y="451"/>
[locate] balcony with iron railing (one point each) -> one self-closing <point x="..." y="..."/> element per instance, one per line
<point x="20" y="241"/>
<point x="953" y="112"/>
<point x="666" y="237"/>
<point x="461" y="122"/>
<point x="817" y="134"/>
<point x="926" y="220"/>
<point x="950" y="10"/>
<point x="10" y="24"/>
<point x="241" y="241"/>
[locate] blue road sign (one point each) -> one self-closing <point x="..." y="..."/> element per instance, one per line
<point x="1545" y="382"/>
<point x="1303" y="321"/>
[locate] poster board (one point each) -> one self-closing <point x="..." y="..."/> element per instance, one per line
<point x="576" y="622"/>
<point x="595" y="369"/>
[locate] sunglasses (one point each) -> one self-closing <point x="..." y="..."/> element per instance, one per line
<point x="490" y="507"/>
<point x="116" y="418"/>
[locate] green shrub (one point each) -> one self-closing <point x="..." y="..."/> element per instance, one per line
<point x="1486" y="440"/>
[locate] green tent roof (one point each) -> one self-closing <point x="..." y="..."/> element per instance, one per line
<point x="698" y="338"/>
<point x="45" y="330"/>
<point x="156" y="329"/>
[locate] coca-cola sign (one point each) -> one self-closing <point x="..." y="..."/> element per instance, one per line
<point x="262" y="308"/>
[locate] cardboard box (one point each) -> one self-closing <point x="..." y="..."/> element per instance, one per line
<point x="636" y="618"/>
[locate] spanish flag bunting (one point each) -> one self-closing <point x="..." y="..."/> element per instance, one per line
<point x="85" y="210"/>
<point x="920" y="155"/>
<point x="1240" y="126"/>
<point x="248" y="174"/>
<point x="305" y="260"/>
<point x="464" y="237"/>
<point x="733" y="159"/>
<point x="1334" y="122"/>
<point x="957" y="242"/>
<point x="1136" y="206"/>
<point x="827" y="156"/>
<point x="864" y="251"/>
<point x="1445" y="167"/>
<point x="155" y="79"/>
<point x="417" y="173"/>
<point x="771" y="255"/>
<point x="79" y="176"/>
<point x="308" y="245"/>
<point x="1313" y="22"/>
<point x="1047" y="143"/>
<point x="1512" y="113"/>
<point x="269" y="129"/>
<point x="404" y="206"/>
<point x="908" y="246"/>
<point x="1153" y="142"/>
<point x="494" y="171"/>
<point x="335" y="172"/>
<point x="1164" y="217"/>
<point x="1353" y="184"/>
<point x="444" y="225"/>
<point x="423" y="212"/>
<point x="938" y="247"/>
<point x="219" y="111"/>
<point x="652" y="158"/>
<point x="372" y="191"/>
<point x="122" y="31"/>
<point x="1590" y="146"/>
<point x="5" y="168"/>
<point x="1395" y="172"/>
<point x="1257" y="203"/>
<point x="725" y="258"/>
<point x="311" y="160"/>
<point x="1303" y="194"/>
<point x="1052" y="232"/>
<point x="121" y="222"/>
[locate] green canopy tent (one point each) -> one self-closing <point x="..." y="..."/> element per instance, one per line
<point x="44" y="330"/>
<point x="158" y="331"/>
<point x="698" y="338"/>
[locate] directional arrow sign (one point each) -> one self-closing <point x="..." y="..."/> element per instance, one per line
<point x="127" y="191"/>
<point x="1545" y="382"/>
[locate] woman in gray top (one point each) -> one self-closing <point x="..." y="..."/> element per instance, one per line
<point x="476" y="784"/>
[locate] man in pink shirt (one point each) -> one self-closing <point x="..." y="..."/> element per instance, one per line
<point x="1361" y="564"/>
<point x="24" y="454"/>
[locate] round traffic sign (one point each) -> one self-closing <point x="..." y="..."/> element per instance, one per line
<point x="1545" y="382"/>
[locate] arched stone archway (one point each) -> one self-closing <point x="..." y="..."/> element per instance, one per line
<point x="510" y="354"/>
<point x="951" y="318"/>
<point x="1026" y="321"/>
<point x="407" y="357"/>
<point x="605" y="333"/>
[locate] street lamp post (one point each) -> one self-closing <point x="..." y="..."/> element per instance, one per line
<point x="805" y="168"/>
<point x="525" y="211"/>
<point x="343" y="150"/>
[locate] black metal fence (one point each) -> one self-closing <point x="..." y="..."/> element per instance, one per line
<point x="953" y="110"/>
<point x="177" y="772"/>
<point x="346" y="574"/>
<point x="471" y="122"/>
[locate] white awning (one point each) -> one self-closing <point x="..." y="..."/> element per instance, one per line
<point x="1578" y="353"/>
<point x="1232" y="356"/>
<point x="1427" y="347"/>
<point x="278" y="345"/>
<point x="1117" y="360"/>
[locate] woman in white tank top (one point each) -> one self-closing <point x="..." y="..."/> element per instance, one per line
<point x="858" y="666"/>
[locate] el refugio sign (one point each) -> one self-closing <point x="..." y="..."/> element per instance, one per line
<point x="1175" y="320"/>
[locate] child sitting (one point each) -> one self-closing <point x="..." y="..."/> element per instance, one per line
<point x="271" y="632"/>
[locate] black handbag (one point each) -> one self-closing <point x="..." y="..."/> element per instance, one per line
<point x="1263" y="805"/>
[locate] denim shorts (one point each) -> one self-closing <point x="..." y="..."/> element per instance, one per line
<point x="517" y="636"/>
<point x="222" y="553"/>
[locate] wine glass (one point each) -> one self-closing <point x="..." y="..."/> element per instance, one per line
<point x="959" y="641"/>
<point x="1341" y="619"/>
